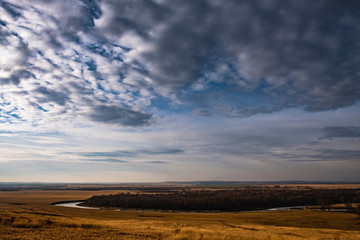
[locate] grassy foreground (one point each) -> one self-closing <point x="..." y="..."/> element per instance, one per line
<point x="29" y="215"/>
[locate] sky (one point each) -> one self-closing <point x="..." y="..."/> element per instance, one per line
<point x="179" y="90"/>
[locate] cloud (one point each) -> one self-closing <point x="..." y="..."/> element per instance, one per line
<point x="62" y="67"/>
<point x="107" y="154"/>
<point x="279" y="50"/>
<point x="161" y="151"/>
<point x="16" y="77"/>
<point x="264" y="146"/>
<point x="341" y="132"/>
<point x="138" y="16"/>
<point x="122" y="116"/>
<point x="48" y="95"/>
<point x="108" y="160"/>
<point x="156" y="162"/>
<point x="133" y="153"/>
<point x="13" y="61"/>
<point x="324" y="155"/>
<point x="11" y="9"/>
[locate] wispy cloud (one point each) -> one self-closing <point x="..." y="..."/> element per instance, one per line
<point x="133" y="153"/>
<point x="341" y="132"/>
<point x="108" y="160"/>
<point x="324" y="155"/>
<point x="157" y="162"/>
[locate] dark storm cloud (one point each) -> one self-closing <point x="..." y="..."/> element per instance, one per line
<point x="73" y="22"/>
<point x="119" y="115"/>
<point x="188" y="44"/>
<point x="341" y="132"/>
<point x="135" y="15"/>
<point x="306" y="52"/>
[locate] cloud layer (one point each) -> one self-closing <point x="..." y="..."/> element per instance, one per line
<point x="109" y="61"/>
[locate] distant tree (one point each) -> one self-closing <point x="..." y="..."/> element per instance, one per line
<point x="228" y="200"/>
<point x="349" y="207"/>
<point x="357" y="211"/>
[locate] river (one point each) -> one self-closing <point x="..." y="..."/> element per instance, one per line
<point x="76" y="205"/>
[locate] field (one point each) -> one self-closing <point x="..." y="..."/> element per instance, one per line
<point x="30" y="215"/>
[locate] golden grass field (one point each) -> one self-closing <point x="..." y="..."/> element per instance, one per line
<point x="30" y="215"/>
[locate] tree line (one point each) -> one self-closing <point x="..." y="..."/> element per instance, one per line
<point x="226" y="200"/>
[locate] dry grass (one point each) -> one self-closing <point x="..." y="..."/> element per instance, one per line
<point x="28" y="215"/>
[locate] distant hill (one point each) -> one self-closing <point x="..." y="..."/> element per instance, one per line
<point x="17" y="186"/>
